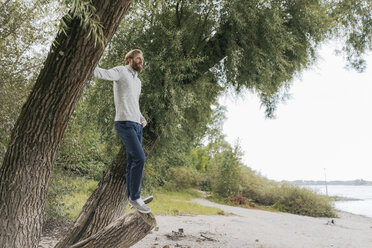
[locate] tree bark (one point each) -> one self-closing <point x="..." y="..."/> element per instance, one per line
<point x="108" y="201"/>
<point x="124" y="232"/>
<point x="105" y="206"/>
<point x="28" y="162"/>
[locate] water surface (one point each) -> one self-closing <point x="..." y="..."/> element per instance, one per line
<point x="363" y="206"/>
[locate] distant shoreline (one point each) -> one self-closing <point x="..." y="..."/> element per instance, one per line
<point x="343" y="198"/>
<point x="358" y="182"/>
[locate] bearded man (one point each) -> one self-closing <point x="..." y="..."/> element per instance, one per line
<point x="129" y="122"/>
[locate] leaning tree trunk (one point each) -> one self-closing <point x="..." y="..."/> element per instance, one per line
<point x="108" y="201"/>
<point x="122" y="233"/>
<point x="102" y="218"/>
<point x="25" y="172"/>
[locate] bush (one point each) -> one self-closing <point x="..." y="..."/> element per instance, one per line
<point x="258" y="188"/>
<point x="282" y="197"/>
<point x="183" y="177"/>
<point x="154" y="174"/>
<point x="227" y="181"/>
<point x="240" y="201"/>
<point x="296" y="200"/>
<point x="236" y="200"/>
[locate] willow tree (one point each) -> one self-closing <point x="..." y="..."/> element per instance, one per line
<point x="35" y="138"/>
<point x="258" y="45"/>
<point x="191" y="47"/>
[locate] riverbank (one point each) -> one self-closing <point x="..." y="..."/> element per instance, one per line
<point x="258" y="228"/>
<point x="253" y="228"/>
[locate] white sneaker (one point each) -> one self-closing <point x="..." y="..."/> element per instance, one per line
<point x="140" y="205"/>
<point x="146" y="200"/>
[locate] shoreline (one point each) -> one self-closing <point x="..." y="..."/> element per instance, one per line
<point x="252" y="228"/>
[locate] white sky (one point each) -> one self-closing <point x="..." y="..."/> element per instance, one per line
<point x="325" y="127"/>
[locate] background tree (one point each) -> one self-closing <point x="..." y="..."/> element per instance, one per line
<point x="25" y="27"/>
<point x="228" y="171"/>
<point x="354" y="26"/>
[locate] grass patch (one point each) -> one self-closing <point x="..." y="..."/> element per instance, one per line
<point x="75" y="201"/>
<point x="69" y="194"/>
<point x="179" y="203"/>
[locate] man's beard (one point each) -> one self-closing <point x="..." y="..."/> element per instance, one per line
<point x="137" y="67"/>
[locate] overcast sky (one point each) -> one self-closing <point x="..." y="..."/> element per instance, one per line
<point x="326" y="128"/>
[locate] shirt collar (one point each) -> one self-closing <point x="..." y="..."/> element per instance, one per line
<point x="130" y="69"/>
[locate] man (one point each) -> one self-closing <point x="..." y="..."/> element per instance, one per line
<point x="129" y="121"/>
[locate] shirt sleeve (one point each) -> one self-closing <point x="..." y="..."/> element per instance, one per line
<point x="111" y="74"/>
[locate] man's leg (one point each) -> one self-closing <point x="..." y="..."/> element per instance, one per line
<point x="128" y="132"/>
<point x="131" y="135"/>
<point x="136" y="171"/>
<point x="128" y="176"/>
<point x="122" y="128"/>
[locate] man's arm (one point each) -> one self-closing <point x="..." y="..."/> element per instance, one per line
<point x="111" y="75"/>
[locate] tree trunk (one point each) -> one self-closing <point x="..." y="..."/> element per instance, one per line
<point x="124" y="232"/>
<point x="108" y="201"/>
<point x="107" y="205"/>
<point x="28" y="162"/>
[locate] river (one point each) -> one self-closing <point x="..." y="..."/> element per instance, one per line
<point x="362" y="206"/>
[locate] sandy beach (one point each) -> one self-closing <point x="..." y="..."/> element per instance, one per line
<point x="254" y="228"/>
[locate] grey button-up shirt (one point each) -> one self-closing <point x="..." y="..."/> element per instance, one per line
<point x="127" y="89"/>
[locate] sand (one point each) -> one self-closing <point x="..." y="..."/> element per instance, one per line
<point x="255" y="228"/>
<point x="258" y="228"/>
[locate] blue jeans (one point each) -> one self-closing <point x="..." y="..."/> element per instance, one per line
<point x="131" y="135"/>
